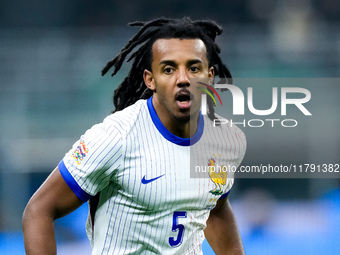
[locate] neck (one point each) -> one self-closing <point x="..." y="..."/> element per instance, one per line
<point x="178" y="127"/>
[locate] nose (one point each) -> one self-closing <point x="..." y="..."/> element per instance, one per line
<point x="183" y="79"/>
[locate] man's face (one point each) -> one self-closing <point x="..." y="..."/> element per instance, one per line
<point x="175" y="62"/>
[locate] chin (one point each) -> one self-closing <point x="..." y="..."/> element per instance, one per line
<point x="184" y="118"/>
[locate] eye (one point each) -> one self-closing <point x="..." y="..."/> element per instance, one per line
<point x="168" y="70"/>
<point x="194" y="69"/>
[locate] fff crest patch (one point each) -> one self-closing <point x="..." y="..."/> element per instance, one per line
<point x="79" y="154"/>
<point x="218" y="176"/>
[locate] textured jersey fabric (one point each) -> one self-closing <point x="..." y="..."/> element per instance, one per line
<point x="149" y="203"/>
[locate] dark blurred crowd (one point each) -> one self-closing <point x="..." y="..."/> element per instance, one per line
<point x="36" y="13"/>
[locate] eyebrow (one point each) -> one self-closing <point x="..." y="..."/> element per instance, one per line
<point x="173" y="63"/>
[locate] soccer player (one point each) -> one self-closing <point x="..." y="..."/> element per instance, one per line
<point x="134" y="167"/>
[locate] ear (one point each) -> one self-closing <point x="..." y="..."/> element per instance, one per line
<point x="211" y="75"/>
<point x="148" y="79"/>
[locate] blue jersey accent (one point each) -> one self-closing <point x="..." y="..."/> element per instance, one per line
<point x="224" y="195"/>
<point x="171" y="137"/>
<point x="81" y="194"/>
<point x="145" y="181"/>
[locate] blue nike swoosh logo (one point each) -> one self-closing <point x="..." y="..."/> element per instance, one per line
<point x="145" y="181"/>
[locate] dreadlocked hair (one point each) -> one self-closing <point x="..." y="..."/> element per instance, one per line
<point x="133" y="87"/>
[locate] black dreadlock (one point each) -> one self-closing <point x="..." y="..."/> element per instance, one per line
<point x="133" y="87"/>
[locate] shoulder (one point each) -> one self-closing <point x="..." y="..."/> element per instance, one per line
<point x="224" y="133"/>
<point x="224" y="127"/>
<point x="101" y="149"/>
<point x="125" y="119"/>
<point x="114" y="127"/>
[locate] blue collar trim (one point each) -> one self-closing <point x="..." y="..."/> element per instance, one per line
<point x="168" y="135"/>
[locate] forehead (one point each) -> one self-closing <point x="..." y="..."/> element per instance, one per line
<point x="175" y="49"/>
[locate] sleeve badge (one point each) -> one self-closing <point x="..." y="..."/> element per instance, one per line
<point x="79" y="154"/>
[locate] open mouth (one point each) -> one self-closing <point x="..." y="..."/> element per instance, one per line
<point x="183" y="99"/>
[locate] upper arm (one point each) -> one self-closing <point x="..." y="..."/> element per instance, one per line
<point x="221" y="219"/>
<point x="221" y="207"/>
<point x="222" y="232"/>
<point x="54" y="198"/>
<point x="84" y="171"/>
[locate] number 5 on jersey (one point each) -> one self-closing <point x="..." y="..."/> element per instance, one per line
<point x="177" y="227"/>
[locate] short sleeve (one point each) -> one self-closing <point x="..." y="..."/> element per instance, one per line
<point x="240" y="150"/>
<point x="93" y="160"/>
<point x="242" y="145"/>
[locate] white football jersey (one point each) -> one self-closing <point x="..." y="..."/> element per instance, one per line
<point x="152" y="190"/>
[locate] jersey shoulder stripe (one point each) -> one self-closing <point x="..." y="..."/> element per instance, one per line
<point x="80" y="193"/>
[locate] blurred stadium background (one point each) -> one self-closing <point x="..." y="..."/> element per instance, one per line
<point x="51" y="91"/>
